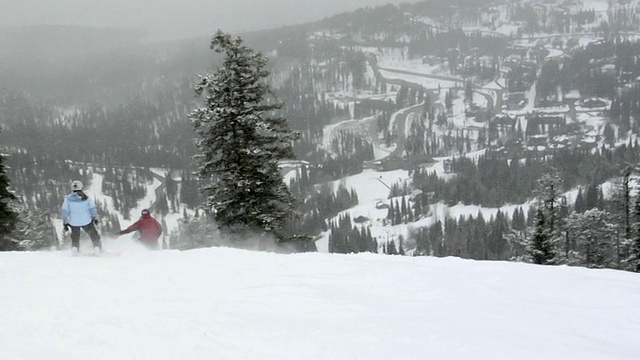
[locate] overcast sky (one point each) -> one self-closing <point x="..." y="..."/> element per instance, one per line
<point x="177" y="18"/>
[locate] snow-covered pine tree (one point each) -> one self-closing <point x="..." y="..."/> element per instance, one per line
<point x="8" y="217"/>
<point x="240" y="144"/>
<point x="547" y="219"/>
<point x="594" y="234"/>
<point x="33" y="230"/>
<point x="540" y="247"/>
<point x="633" y="262"/>
<point x="579" y="205"/>
<point x="189" y="190"/>
<point x="621" y="211"/>
<point x="548" y="196"/>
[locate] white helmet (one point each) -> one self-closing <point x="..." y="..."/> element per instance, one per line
<point x="76" y="185"/>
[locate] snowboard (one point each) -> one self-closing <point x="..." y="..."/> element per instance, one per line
<point x="65" y="234"/>
<point x="103" y="254"/>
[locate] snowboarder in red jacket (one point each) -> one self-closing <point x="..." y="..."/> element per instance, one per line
<point x="149" y="228"/>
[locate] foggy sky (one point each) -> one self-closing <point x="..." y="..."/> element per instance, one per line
<point x="167" y="19"/>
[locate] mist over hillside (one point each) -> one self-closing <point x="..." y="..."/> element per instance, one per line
<point x="71" y="65"/>
<point x="470" y="105"/>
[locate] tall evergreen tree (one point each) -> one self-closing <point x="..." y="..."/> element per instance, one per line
<point x="549" y="200"/>
<point x="593" y="234"/>
<point x="518" y="221"/>
<point x="579" y="205"/>
<point x="591" y="196"/>
<point x="634" y="257"/>
<point x="240" y="145"/>
<point x="188" y="190"/>
<point x="391" y="211"/>
<point x="8" y="217"/>
<point x="621" y="210"/>
<point x="33" y="230"/>
<point x="540" y="246"/>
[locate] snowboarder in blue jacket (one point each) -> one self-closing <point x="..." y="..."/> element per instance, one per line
<point x="79" y="212"/>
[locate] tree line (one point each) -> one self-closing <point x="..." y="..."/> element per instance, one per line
<point x="494" y="179"/>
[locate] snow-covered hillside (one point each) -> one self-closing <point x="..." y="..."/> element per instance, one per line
<point x="232" y="304"/>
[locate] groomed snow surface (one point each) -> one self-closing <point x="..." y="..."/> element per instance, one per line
<point x="223" y="303"/>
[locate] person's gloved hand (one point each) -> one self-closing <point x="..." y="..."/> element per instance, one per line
<point x="66" y="227"/>
<point x="95" y="221"/>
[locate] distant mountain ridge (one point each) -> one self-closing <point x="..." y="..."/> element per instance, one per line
<point x="59" y="40"/>
<point x="67" y="63"/>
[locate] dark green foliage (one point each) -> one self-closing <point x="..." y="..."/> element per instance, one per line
<point x="126" y="186"/>
<point x="494" y="180"/>
<point x="239" y="144"/>
<point x="171" y="189"/>
<point x="144" y="132"/>
<point x="189" y="190"/>
<point x="635" y="241"/>
<point x="579" y="204"/>
<point x="346" y="238"/>
<point x="548" y="197"/>
<point x="496" y="242"/>
<point x="550" y="215"/>
<point x="34" y="230"/>
<point x="403" y="211"/>
<point x="591" y="197"/>
<point x="593" y="238"/>
<point x="352" y="152"/>
<point x="467" y="237"/>
<point x="315" y="204"/>
<point x="592" y="235"/>
<point x="390" y="248"/>
<point x="43" y="181"/>
<point x="541" y="247"/>
<point x="8" y="216"/>
<point x="518" y="221"/>
<point x="428" y="239"/>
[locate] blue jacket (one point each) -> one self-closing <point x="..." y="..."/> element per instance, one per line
<point x="78" y="212"/>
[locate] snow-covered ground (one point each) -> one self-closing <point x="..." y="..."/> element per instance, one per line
<point x="232" y="304"/>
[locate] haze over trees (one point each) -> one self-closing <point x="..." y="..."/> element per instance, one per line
<point x="510" y="85"/>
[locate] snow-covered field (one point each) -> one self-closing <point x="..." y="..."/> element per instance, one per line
<point x="232" y="304"/>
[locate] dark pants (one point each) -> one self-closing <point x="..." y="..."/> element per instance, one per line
<point x="89" y="229"/>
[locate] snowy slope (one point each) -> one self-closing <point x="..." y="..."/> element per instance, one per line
<point x="232" y="304"/>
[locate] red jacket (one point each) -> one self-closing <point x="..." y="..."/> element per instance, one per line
<point x="150" y="229"/>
